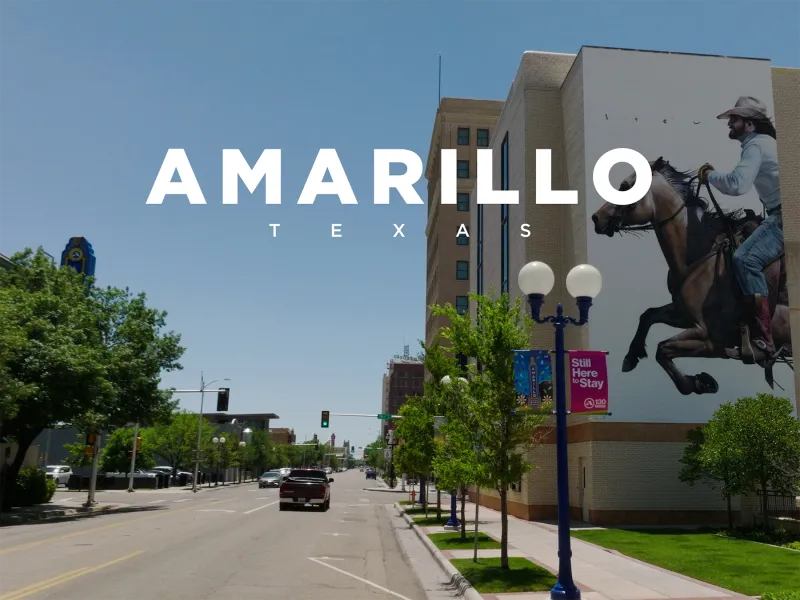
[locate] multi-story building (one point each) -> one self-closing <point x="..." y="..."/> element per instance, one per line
<point x="404" y="377"/>
<point x="5" y="262"/>
<point x="624" y="465"/>
<point x="465" y="126"/>
<point x="281" y="435"/>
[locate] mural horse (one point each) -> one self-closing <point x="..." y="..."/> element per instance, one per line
<point x="697" y="242"/>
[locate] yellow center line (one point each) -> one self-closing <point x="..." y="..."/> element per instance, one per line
<point x="106" y="527"/>
<point x="30" y="590"/>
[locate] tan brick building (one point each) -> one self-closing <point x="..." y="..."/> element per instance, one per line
<point x="622" y="470"/>
<point x="463" y="125"/>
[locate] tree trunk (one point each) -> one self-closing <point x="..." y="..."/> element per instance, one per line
<point x="438" y="504"/>
<point x="765" y="503"/>
<point x="504" y="528"/>
<point x="12" y="470"/>
<point x="463" y="513"/>
<point x="730" y="512"/>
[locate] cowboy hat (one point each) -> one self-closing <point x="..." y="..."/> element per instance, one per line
<point x="747" y="107"/>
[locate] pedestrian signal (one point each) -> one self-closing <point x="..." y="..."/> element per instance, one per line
<point x="139" y="443"/>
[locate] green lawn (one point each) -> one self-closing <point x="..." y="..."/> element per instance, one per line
<point x="431" y="521"/>
<point x="738" y="565"/>
<point x="488" y="578"/>
<point x="452" y="541"/>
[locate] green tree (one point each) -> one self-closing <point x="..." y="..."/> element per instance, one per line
<point x="176" y="441"/>
<point x="114" y="455"/>
<point x="716" y="467"/>
<point x="52" y="357"/>
<point x="764" y="436"/>
<point x="75" y="353"/>
<point x="333" y="462"/>
<point x="76" y="452"/>
<point x="415" y="434"/>
<point x="258" y="451"/>
<point x="505" y="432"/>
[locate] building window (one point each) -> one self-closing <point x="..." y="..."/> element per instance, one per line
<point x="463" y="169"/>
<point x="462" y="270"/>
<point x="463" y="238"/>
<point x="462" y="202"/>
<point x="483" y="138"/>
<point x="479" y="273"/>
<point x="462" y="304"/>
<point x="504" y="239"/>
<point x="462" y="362"/>
<point x="463" y="136"/>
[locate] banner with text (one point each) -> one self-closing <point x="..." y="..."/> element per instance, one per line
<point x="588" y="382"/>
<point x="533" y="377"/>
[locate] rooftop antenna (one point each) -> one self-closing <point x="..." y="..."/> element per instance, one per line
<point x="440" y="79"/>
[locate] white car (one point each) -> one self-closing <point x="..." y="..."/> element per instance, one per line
<point x="59" y="473"/>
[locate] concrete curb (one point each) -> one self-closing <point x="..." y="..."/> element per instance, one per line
<point x="389" y="490"/>
<point x="457" y="580"/>
<point x="26" y="517"/>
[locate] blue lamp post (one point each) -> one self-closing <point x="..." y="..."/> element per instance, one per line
<point x="584" y="282"/>
<point x="453" y="520"/>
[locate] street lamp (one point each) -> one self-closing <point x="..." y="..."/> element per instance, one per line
<point x="203" y="386"/>
<point x="584" y="282"/>
<point x="453" y="520"/>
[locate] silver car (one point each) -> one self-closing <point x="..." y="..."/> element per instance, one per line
<point x="59" y="473"/>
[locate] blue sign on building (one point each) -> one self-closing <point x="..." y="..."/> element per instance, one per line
<point x="79" y="255"/>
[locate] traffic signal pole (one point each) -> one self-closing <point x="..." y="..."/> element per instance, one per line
<point x="133" y="457"/>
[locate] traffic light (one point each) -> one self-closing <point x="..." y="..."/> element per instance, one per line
<point x="352" y="449"/>
<point x="130" y="453"/>
<point x="326" y="418"/>
<point x="138" y="443"/>
<point x="91" y="437"/>
<point x="222" y="399"/>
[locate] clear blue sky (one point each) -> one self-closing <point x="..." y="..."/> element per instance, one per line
<point x="92" y="94"/>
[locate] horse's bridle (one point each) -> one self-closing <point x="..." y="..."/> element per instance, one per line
<point x="621" y="211"/>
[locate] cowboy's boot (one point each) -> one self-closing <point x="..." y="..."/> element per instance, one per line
<point x="747" y="354"/>
<point x="762" y="339"/>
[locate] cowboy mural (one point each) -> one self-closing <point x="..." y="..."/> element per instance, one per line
<point x="749" y="124"/>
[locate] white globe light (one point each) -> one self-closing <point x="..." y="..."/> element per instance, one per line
<point x="584" y="280"/>
<point x="536" y="278"/>
<point x="215" y="440"/>
<point x="221" y="440"/>
<point x="242" y="444"/>
<point x="463" y="380"/>
<point x="446" y="380"/>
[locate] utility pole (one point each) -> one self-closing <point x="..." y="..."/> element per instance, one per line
<point x="199" y="433"/>
<point x="133" y="457"/>
<point x="90" y="501"/>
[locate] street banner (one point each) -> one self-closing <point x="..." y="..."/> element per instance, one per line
<point x="588" y="382"/>
<point x="533" y="377"/>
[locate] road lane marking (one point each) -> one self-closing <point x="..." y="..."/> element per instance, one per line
<point x="247" y="512"/>
<point x="263" y="498"/>
<point x="157" y="501"/>
<point x="361" y="579"/>
<point x="58" y="538"/>
<point x="337" y="534"/>
<point x="181" y="500"/>
<point x="36" y="588"/>
<point x="215" y="510"/>
<point x="328" y="558"/>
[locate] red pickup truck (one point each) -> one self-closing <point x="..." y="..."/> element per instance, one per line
<point x="306" y="486"/>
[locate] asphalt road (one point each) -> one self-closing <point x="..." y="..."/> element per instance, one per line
<point x="222" y="544"/>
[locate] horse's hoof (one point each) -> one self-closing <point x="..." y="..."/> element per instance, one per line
<point x="705" y="384"/>
<point x="629" y="363"/>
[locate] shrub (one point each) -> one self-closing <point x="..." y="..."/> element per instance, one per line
<point x="784" y="595"/>
<point x="32" y="487"/>
<point x="793" y="545"/>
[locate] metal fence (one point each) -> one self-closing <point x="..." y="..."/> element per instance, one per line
<point x="778" y="506"/>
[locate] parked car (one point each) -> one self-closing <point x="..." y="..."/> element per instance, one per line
<point x="372" y="474"/>
<point x="269" y="479"/>
<point x="59" y="473"/>
<point x="306" y="486"/>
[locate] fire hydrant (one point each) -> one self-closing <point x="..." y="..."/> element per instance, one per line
<point x="413" y="496"/>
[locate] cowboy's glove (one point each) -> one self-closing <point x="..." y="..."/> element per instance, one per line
<point x="702" y="172"/>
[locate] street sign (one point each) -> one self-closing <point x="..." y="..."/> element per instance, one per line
<point x="384" y="417"/>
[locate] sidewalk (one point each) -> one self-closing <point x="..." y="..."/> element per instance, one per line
<point x="599" y="573"/>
